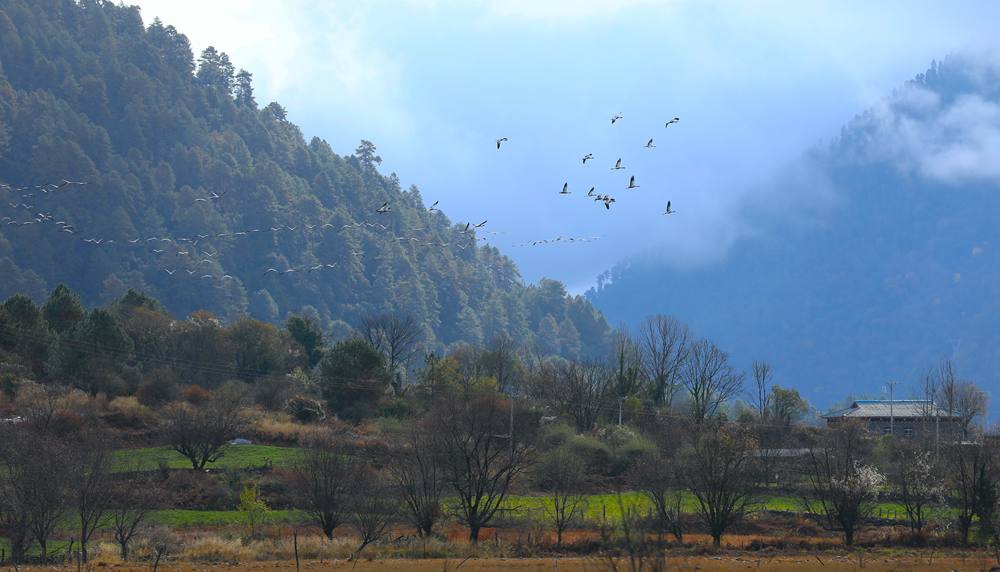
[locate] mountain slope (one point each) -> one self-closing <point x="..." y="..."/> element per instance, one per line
<point x="895" y="269"/>
<point x="87" y="93"/>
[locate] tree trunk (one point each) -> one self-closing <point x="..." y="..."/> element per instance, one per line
<point x="716" y="539"/>
<point x="474" y="533"/>
<point x="123" y="546"/>
<point x="849" y="536"/>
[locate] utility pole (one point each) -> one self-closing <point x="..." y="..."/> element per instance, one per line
<point x="892" y="417"/>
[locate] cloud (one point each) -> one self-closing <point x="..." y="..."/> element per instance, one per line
<point x="313" y="58"/>
<point x="951" y="138"/>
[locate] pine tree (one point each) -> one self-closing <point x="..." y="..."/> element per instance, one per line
<point x="244" y="89"/>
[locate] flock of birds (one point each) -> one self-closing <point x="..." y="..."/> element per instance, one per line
<point x="188" y="255"/>
<point x="605" y="199"/>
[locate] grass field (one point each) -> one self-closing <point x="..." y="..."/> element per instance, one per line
<point x="234" y="457"/>
<point x="180" y="518"/>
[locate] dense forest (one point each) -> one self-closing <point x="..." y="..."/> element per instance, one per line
<point x="206" y="200"/>
<point x="888" y="264"/>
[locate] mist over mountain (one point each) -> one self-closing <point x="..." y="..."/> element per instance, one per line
<point x="195" y="191"/>
<point x="868" y="260"/>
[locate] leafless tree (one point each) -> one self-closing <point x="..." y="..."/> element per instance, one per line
<point x="34" y="479"/>
<point x="560" y="474"/>
<point x="131" y="502"/>
<point x="90" y="488"/>
<point x="664" y="346"/>
<point x="481" y="454"/>
<point x="630" y="538"/>
<point x="971" y="467"/>
<point x="581" y="392"/>
<point x="324" y="481"/>
<point x="162" y="541"/>
<point x="709" y="379"/>
<point x="970" y="405"/>
<point x="842" y="487"/>
<point x="416" y="471"/>
<point x="500" y="361"/>
<point x="626" y="365"/>
<point x="721" y="469"/>
<point x="761" y="397"/>
<point x="660" y="480"/>
<point x="373" y="510"/>
<point x="201" y="432"/>
<point x="394" y="337"/>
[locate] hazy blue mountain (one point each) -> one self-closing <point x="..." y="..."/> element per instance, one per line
<point x="875" y="257"/>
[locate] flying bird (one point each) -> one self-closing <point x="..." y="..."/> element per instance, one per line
<point x="631" y="183"/>
<point x="169" y="271"/>
<point x="565" y="189"/>
<point x="669" y="210"/>
<point x="616" y="117"/>
<point x="672" y="121"/>
<point x="618" y="164"/>
<point x="587" y="157"/>
<point x="384" y="208"/>
<point x="649" y="144"/>
<point x="480" y="225"/>
<point x="270" y="270"/>
<point x="590" y="193"/>
<point x="434" y="207"/>
<point x="500" y="140"/>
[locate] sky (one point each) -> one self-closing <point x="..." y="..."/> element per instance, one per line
<point x="434" y="83"/>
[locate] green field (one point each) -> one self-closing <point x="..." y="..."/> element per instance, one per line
<point x="235" y="457"/>
<point x="180" y="518"/>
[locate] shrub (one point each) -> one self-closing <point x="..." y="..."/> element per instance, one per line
<point x="304" y="409"/>
<point x="196" y="394"/>
<point x="159" y="387"/>
<point x="128" y="413"/>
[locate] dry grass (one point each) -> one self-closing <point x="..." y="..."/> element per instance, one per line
<point x="791" y="563"/>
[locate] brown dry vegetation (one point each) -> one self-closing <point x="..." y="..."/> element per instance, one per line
<point x="831" y="563"/>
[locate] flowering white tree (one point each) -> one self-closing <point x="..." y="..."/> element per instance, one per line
<point x="844" y="489"/>
<point x="917" y="482"/>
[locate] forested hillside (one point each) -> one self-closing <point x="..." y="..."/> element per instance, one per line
<point x="891" y="266"/>
<point x="194" y="191"/>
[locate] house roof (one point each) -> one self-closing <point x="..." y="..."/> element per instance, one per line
<point x="883" y="408"/>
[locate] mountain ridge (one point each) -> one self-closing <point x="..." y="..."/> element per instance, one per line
<point x="179" y="151"/>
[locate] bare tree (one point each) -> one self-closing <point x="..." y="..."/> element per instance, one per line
<point x="500" y="361"/>
<point x="970" y="467"/>
<point x="843" y="489"/>
<point x="761" y="397"/>
<point x="709" y="379"/>
<point x="665" y="347"/>
<point x="626" y="365"/>
<point x="659" y="479"/>
<point x="416" y="471"/>
<point x="970" y="405"/>
<point x="581" y="392"/>
<point x="90" y="486"/>
<point x="481" y="454"/>
<point x="131" y="502"/>
<point x="325" y="480"/>
<point x="201" y="432"/>
<point x="394" y="337"/>
<point x="560" y="474"/>
<point x="373" y="511"/>
<point x="721" y="469"/>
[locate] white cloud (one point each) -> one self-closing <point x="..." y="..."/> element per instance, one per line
<point x="950" y="140"/>
<point x="313" y="58"/>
